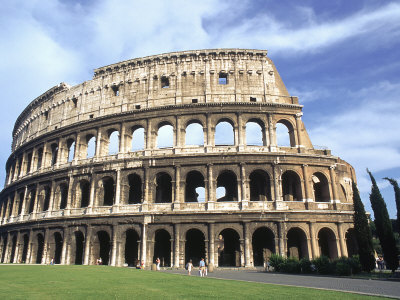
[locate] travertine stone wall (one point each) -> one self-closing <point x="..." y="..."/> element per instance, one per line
<point x="136" y="204"/>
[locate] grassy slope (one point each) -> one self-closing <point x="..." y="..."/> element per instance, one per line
<point x="101" y="282"/>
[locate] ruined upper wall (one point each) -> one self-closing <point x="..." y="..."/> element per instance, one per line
<point x="154" y="81"/>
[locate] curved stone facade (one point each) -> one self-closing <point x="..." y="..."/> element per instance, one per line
<point x="72" y="197"/>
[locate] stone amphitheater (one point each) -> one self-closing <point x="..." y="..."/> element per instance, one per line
<point x="176" y="156"/>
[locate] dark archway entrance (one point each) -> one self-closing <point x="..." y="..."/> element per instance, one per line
<point x="104" y="246"/>
<point x="135" y="189"/>
<point x="108" y="190"/>
<point x="131" y="247"/>
<point x="297" y="243"/>
<point x="228" y="180"/>
<point x="327" y="243"/>
<point x="229" y="248"/>
<point x="79" y="241"/>
<point x="40" y="247"/>
<point x="351" y="242"/>
<point x="25" y="248"/>
<point x="195" y="246"/>
<point x="13" y="246"/>
<point x="58" y="241"/>
<point x="263" y="243"/>
<point x="260" y="187"/>
<point x="321" y="187"/>
<point x="291" y="186"/>
<point x="162" y="247"/>
<point x="163" y="188"/>
<point x="194" y="180"/>
<point x="4" y="249"/>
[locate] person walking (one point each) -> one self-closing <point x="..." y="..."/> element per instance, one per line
<point x="189" y="267"/>
<point x="158" y="263"/>
<point x="202" y="267"/>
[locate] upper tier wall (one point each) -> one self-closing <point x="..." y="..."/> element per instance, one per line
<point x="160" y="80"/>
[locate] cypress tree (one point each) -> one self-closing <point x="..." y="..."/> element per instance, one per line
<point x="363" y="233"/>
<point x="397" y="199"/>
<point x="383" y="226"/>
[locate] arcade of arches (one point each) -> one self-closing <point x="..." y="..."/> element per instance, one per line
<point x="244" y="244"/>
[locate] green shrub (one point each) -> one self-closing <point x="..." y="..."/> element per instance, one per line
<point x="305" y="265"/>
<point x="323" y="265"/>
<point x="355" y="264"/>
<point x="342" y="266"/>
<point x="290" y="265"/>
<point x="276" y="262"/>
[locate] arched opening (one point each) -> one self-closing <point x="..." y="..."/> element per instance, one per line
<point x="13" y="247"/>
<point x="227" y="179"/>
<point x="327" y="243"/>
<point x="25" y="248"/>
<point x="84" y="186"/>
<point x="71" y="149"/>
<point x="39" y="158"/>
<point x="137" y="138"/>
<point x="108" y="190"/>
<point x="131" y="247"/>
<point x="285" y="134"/>
<point x="40" y="248"/>
<point x="351" y="242"/>
<point x="260" y="186"/>
<point x="163" y="188"/>
<point x="162" y="247"/>
<point x="113" y="142"/>
<point x="194" y="180"/>
<point x="135" y="189"/>
<point x="165" y="136"/>
<point x="195" y="248"/>
<point x="224" y="134"/>
<point x="291" y="186"/>
<point x="79" y="248"/>
<point x="91" y="146"/>
<point x="297" y="243"/>
<point x="63" y="195"/>
<point x="228" y="246"/>
<point x="10" y="211"/>
<point x="104" y="246"/>
<point x="4" y="248"/>
<point x="46" y="201"/>
<point x="54" y="153"/>
<point x="321" y="187"/>
<point x="254" y="133"/>
<point x="58" y="243"/>
<point x="32" y="201"/>
<point x="263" y="242"/>
<point x="194" y="135"/>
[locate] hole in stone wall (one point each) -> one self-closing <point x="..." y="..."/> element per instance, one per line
<point x="291" y="186"/>
<point x="46" y="201"/>
<point x="84" y="186"/>
<point x="194" y="246"/>
<point x="71" y="149"/>
<point x="165" y="136"/>
<point x="163" y="188"/>
<point x="194" y="135"/>
<point x="260" y="187"/>
<point x="227" y="179"/>
<point x="327" y="243"/>
<point x="254" y="134"/>
<point x="164" y="82"/>
<point x="63" y="195"/>
<point x="32" y="201"/>
<point x="58" y="240"/>
<point x="253" y="99"/>
<point x="131" y="247"/>
<point x="195" y="101"/>
<point x="263" y="243"/>
<point x="40" y="248"/>
<point x="54" y="153"/>
<point x="137" y="106"/>
<point x="162" y="248"/>
<point x="91" y="116"/>
<point x="113" y="143"/>
<point x="228" y="246"/>
<point x="321" y="187"/>
<point x="25" y="249"/>
<point x="91" y="146"/>
<point x="115" y="89"/>
<point x="79" y="248"/>
<point x="297" y="243"/>
<point x="194" y="180"/>
<point x="21" y="200"/>
<point x="224" y="134"/>
<point x="104" y="246"/>
<point x="40" y="158"/>
<point x="135" y="189"/>
<point x="108" y="187"/>
<point x="138" y="139"/>
<point x="29" y="162"/>
<point x="223" y="78"/>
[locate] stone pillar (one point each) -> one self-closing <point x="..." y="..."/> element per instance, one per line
<point x="66" y="240"/>
<point x="247" y="239"/>
<point x="271" y="134"/>
<point x="143" y="250"/>
<point x="314" y="242"/>
<point x="177" y="194"/>
<point x="146" y="191"/>
<point x="148" y="137"/>
<point x="342" y="240"/>
<point x="309" y="197"/>
<point x="78" y="147"/>
<point x="243" y="182"/>
<point x="98" y="143"/>
<point x="114" y="245"/>
<point x="69" y="196"/>
<point x="277" y="187"/>
<point x="59" y="153"/>
<point x="7" y="250"/>
<point x="122" y="139"/>
<point x="88" y="242"/>
<point x="333" y="184"/>
<point x="29" y="250"/>
<point x="176" y="244"/>
<point x="35" y="201"/>
<point x="210" y="135"/>
<point x="16" y="252"/>
<point x="92" y="193"/>
<point x="282" y="237"/>
<point x="298" y="129"/>
<point x="178" y="133"/>
<point x="117" y="191"/>
<point x="211" y="190"/>
<point x="46" y="246"/>
<point x="211" y="238"/>
<point x="239" y="133"/>
<point x="51" y="200"/>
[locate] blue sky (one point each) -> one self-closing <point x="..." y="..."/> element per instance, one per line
<point x="342" y="58"/>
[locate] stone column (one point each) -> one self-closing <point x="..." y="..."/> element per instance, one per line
<point x="51" y="200"/>
<point x="176" y="244"/>
<point x="177" y="195"/>
<point x="29" y="250"/>
<point x="46" y="246"/>
<point x="88" y="242"/>
<point x="16" y="252"/>
<point x="247" y="238"/>
<point x="78" y="147"/>
<point x="66" y="240"/>
<point x="239" y="136"/>
<point x="114" y="245"/>
<point x="69" y="196"/>
<point x="7" y="250"/>
<point x="243" y="182"/>
<point x="117" y="191"/>
<point x="146" y="195"/>
<point x="92" y="193"/>
<point x="342" y="240"/>
<point x="122" y="139"/>
<point x="211" y="190"/>
<point x="178" y="133"/>
<point x="210" y="135"/>
<point x="271" y="134"/>
<point x="282" y="235"/>
<point x="298" y="129"/>
<point x="333" y="184"/>
<point x="98" y="143"/>
<point x="211" y="238"/>
<point x="143" y="250"/>
<point x="314" y="243"/>
<point x="277" y="187"/>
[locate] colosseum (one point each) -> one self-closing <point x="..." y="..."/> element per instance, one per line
<point x="178" y="156"/>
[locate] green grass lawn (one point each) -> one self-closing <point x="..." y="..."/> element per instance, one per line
<point x="102" y="282"/>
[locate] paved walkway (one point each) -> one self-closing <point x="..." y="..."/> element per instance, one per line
<point x="363" y="286"/>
